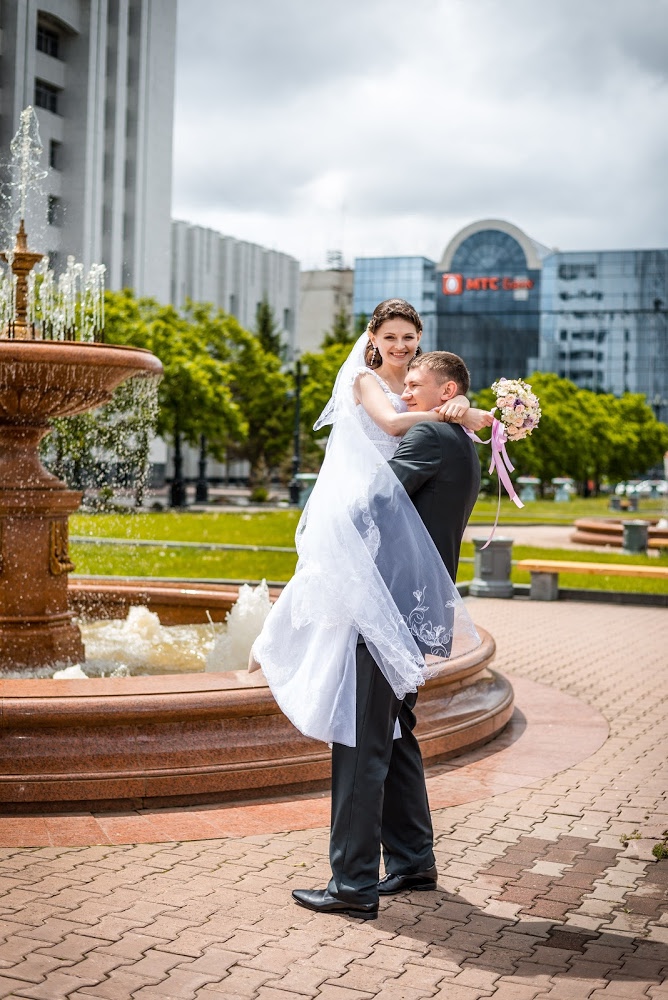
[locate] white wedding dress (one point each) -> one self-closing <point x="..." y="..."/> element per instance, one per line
<point x="367" y="567"/>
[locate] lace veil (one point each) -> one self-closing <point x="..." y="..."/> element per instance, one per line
<point x="367" y="569"/>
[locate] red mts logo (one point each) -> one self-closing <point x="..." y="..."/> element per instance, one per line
<point x="453" y="284"/>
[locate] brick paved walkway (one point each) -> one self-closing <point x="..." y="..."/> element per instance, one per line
<point x="537" y="895"/>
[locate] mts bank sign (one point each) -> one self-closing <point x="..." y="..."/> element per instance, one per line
<point x="455" y="284"/>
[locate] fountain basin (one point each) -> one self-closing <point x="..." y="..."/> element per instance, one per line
<point x="610" y="531"/>
<point x="133" y="742"/>
<point x="40" y="379"/>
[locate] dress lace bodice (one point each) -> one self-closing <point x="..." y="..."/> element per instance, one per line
<point x="386" y="443"/>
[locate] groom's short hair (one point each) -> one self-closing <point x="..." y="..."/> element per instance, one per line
<point x="446" y="367"/>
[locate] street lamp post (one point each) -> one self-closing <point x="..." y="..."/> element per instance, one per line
<point x="202" y="484"/>
<point x="294" y="487"/>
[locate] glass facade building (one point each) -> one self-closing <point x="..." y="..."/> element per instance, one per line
<point x="604" y="322"/>
<point x="410" y="278"/>
<point x="488" y="302"/>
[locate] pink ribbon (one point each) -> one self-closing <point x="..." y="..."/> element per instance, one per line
<point x="501" y="463"/>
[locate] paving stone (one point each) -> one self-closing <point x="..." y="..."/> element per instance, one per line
<point x="366" y="978"/>
<point x="303" y="977"/>
<point x="34" y="968"/>
<point x="96" y="967"/>
<point x="449" y="992"/>
<point x="8" y="987"/>
<point x="419" y="977"/>
<point x="332" y="992"/>
<point x="120" y="986"/>
<point x="180" y="984"/>
<point x="132" y="945"/>
<point x="266" y="993"/>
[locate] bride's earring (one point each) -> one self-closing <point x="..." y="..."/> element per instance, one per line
<point x="373" y="355"/>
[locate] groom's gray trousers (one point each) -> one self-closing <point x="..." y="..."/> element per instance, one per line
<point x="378" y="792"/>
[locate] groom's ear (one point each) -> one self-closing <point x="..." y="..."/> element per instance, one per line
<point x="449" y="389"/>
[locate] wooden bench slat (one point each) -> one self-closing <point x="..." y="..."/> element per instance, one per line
<point x="609" y="569"/>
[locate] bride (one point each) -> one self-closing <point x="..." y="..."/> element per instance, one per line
<point x="358" y="533"/>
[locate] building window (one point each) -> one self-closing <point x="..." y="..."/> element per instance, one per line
<point x="54" y="211"/>
<point x="46" y="96"/>
<point x="55" y="154"/>
<point x="48" y="41"/>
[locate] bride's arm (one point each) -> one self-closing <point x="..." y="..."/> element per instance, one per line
<point x="381" y="411"/>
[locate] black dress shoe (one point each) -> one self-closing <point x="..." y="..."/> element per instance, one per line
<point x="322" y="901"/>
<point x="420" y="882"/>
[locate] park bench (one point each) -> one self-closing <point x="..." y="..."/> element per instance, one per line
<point x="545" y="573"/>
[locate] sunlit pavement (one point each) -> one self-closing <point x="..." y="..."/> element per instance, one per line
<point x="538" y="896"/>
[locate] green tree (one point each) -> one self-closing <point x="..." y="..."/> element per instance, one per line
<point x="361" y="324"/>
<point x="585" y="435"/>
<point x="341" y="332"/>
<point x="259" y="388"/>
<point x="195" y="397"/>
<point x="322" y="368"/>
<point x="267" y="329"/>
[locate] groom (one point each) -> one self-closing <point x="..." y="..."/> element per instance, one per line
<point x="379" y="794"/>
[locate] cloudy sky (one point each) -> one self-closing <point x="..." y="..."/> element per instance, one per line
<point x="383" y="126"/>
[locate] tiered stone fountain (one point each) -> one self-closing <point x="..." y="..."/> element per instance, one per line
<point x="133" y="741"/>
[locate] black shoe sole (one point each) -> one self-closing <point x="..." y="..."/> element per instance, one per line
<point x="358" y="914"/>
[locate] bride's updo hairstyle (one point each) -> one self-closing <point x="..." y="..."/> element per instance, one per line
<point x="446" y="367"/>
<point x="389" y="309"/>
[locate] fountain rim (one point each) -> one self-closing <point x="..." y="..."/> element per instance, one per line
<point x="107" y="355"/>
<point x="102" y="700"/>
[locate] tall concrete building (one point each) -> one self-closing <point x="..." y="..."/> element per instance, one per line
<point x="100" y="75"/>
<point x="323" y="296"/>
<point x="234" y="276"/>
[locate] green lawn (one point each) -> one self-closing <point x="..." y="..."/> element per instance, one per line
<point x="277" y="528"/>
<point x="549" y="512"/>
<point x="132" y="560"/>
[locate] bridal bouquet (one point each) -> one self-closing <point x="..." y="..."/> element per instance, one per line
<point x="519" y="413"/>
<point x="518" y="407"/>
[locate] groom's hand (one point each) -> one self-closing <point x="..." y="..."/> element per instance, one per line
<point x="454" y="411"/>
<point x="475" y="419"/>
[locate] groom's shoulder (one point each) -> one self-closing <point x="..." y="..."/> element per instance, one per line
<point x="424" y="431"/>
<point x="435" y="430"/>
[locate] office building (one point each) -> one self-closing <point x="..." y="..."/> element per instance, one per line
<point x="489" y="300"/>
<point x="100" y="75"/>
<point x="323" y="296"/>
<point x="234" y="276"/>
<point x="604" y="322"/>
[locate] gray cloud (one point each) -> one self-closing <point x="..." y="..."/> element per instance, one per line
<point x="409" y="120"/>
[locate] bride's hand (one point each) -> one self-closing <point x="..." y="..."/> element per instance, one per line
<point x="454" y="411"/>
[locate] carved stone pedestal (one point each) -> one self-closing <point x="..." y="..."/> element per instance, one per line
<point x="36" y="626"/>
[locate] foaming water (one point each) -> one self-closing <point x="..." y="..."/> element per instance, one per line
<point x="244" y="621"/>
<point x="140" y="646"/>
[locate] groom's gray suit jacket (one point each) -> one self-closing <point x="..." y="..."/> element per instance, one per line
<point x="438" y="466"/>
